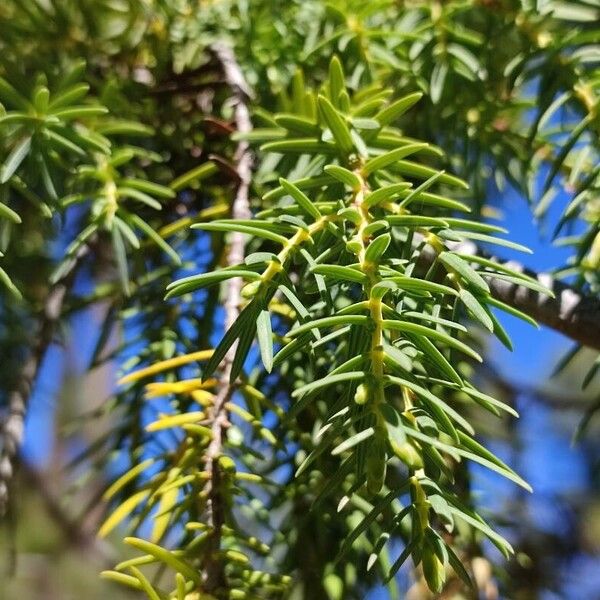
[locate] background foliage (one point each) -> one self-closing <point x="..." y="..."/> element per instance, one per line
<point x="118" y="133"/>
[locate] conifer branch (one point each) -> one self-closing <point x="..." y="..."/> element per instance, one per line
<point x="13" y="426"/>
<point x="219" y="417"/>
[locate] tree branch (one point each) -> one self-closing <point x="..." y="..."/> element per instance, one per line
<point x="213" y="575"/>
<point x="570" y="312"/>
<point x="13" y="426"/>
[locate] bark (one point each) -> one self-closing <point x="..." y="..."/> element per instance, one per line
<point x="241" y="94"/>
<point x="570" y="312"/>
<point x="13" y="426"/>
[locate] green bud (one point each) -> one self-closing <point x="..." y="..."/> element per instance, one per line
<point x="334" y="586"/>
<point x="226" y="465"/>
<point x="362" y="394"/>
<point x="250" y="289"/>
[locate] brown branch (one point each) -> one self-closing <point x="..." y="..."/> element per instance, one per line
<point x="213" y="570"/>
<point x="570" y="312"/>
<point x="12" y="428"/>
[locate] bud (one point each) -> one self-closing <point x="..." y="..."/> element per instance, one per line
<point x="362" y="394"/>
<point x="226" y="465"/>
<point x="250" y="289"/>
<point x="473" y="115"/>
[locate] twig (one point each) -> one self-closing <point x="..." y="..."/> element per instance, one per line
<point x="213" y="570"/>
<point x="13" y="427"/>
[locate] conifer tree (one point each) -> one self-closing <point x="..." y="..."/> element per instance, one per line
<point x="284" y="212"/>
